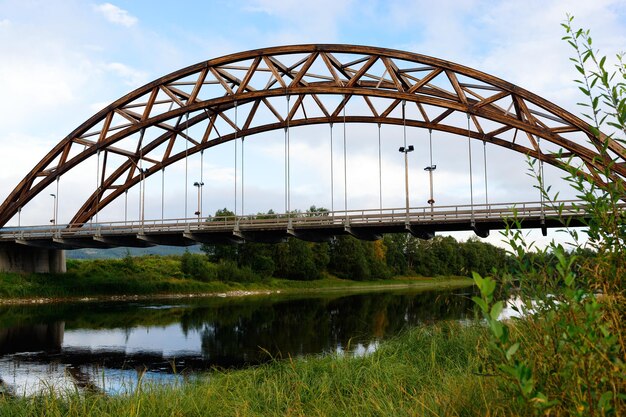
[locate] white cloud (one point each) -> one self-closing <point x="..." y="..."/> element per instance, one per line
<point x="39" y="82"/>
<point x="115" y="14"/>
<point x="5" y="23"/>
<point x="131" y="76"/>
<point x="317" y="21"/>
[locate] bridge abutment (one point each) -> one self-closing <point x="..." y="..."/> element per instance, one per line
<point x="20" y="258"/>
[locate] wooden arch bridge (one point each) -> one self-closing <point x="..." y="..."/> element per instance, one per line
<point x="247" y="93"/>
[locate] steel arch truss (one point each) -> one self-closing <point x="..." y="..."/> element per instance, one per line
<point x="193" y="109"/>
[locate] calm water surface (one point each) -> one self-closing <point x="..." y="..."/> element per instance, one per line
<point x="110" y="346"/>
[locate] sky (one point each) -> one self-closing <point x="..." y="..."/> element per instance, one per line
<point x="64" y="60"/>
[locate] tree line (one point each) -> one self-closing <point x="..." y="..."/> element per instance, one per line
<point x="344" y="256"/>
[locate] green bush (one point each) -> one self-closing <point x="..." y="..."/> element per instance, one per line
<point x="230" y="272"/>
<point x="566" y="356"/>
<point x="264" y="266"/>
<point x="196" y="267"/>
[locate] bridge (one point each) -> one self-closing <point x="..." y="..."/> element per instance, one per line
<point x="200" y="108"/>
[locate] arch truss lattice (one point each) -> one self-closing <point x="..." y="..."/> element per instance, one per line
<point x="195" y="106"/>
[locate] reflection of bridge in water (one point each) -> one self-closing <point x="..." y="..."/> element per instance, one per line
<point x="167" y="336"/>
<point x="32" y="338"/>
<point x="282" y="89"/>
<point x="219" y="332"/>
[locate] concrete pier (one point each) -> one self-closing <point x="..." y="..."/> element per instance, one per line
<point x="21" y="258"/>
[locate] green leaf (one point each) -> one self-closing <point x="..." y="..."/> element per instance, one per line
<point x="511" y="350"/>
<point x="496" y="329"/>
<point x="496" y="309"/>
<point x="478" y="280"/>
<point x="605" y="400"/>
<point x="595" y="102"/>
<point x="481" y="303"/>
<point x="528" y="386"/>
<point x="508" y="370"/>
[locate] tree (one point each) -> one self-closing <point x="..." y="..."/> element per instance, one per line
<point x="359" y="260"/>
<point x="348" y="259"/>
<point x="296" y="260"/>
<point x="221" y="252"/>
<point x="395" y="256"/>
<point x="257" y="256"/>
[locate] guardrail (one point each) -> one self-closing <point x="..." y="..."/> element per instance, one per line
<point x="342" y="218"/>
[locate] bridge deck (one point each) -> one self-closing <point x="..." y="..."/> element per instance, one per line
<point x="422" y="222"/>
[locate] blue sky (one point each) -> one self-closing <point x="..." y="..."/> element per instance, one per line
<point x="64" y="60"/>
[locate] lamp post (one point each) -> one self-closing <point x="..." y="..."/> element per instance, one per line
<point x="198" y="185"/>
<point x="142" y="190"/>
<point x="405" y="150"/>
<point x="53" y="220"/>
<point x="430" y="170"/>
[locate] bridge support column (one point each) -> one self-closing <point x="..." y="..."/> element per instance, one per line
<point x="20" y="258"/>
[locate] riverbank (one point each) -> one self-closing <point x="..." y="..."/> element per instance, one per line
<point x="161" y="277"/>
<point x="431" y="370"/>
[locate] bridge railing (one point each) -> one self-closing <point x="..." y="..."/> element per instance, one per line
<point x="340" y="218"/>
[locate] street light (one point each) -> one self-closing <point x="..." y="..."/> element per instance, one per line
<point x="142" y="191"/>
<point x="405" y="151"/>
<point x="199" y="186"/>
<point x="430" y="170"/>
<point x="53" y="220"/>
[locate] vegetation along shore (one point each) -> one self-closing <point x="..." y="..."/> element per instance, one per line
<point x="251" y="268"/>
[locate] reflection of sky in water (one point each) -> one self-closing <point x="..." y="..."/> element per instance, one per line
<point x="36" y="378"/>
<point x="360" y="349"/>
<point x="200" y="335"/>
<point x="168" y="340"/>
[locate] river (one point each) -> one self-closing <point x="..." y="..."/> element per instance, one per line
<point x="109" y="346"/>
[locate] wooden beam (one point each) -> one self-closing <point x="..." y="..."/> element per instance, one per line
<point x="332" y="70"/>
<point x="428" y="78"/>
<point x="219" y="78"/>
<point x="392" y="73"/>
<point x="198" y="85"/>
<point x="274" y="71"/>
<point x="249" y="74"/>
<point x="355" y="79"/>
<point x="455" y="84"/>
<point x="307" y="64"/>
<point x="153" y="95"/>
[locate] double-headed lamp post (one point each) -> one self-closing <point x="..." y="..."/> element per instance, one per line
<point x="199" y="184"/>
<point x="405" y="150"/>
<point x="53" y="220"/>
<point x="430" y="170"/>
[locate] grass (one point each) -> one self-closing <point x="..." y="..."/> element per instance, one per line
<point x="156" y="275"/>
<point x="428" y="371"/>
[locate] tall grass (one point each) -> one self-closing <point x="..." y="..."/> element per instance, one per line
<point x="428" y="371"/>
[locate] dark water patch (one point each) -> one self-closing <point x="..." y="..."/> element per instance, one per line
<point x="111" y="346"/>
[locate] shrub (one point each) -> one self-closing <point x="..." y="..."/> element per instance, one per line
<point x="196" y="267"/>
<point x="566" y="356"/>
<point x="229" y="272"/>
